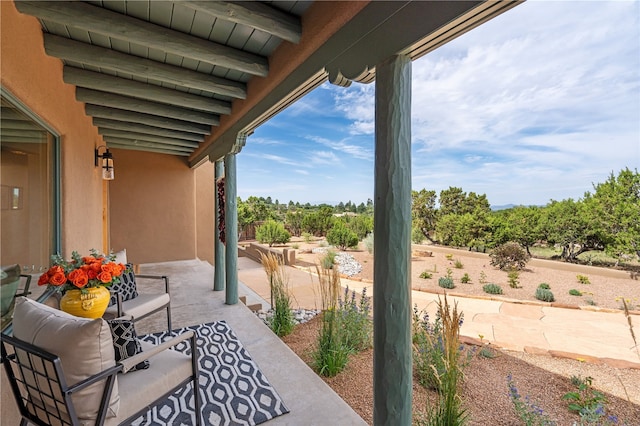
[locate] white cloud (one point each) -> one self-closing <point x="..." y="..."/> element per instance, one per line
<point x="356" y="151"/>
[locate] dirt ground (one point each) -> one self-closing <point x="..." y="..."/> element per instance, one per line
<point x="605" y="290"/>
<point x="540" y="378"/>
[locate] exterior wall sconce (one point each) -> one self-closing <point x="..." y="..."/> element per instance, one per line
<point x="107" y="162"/>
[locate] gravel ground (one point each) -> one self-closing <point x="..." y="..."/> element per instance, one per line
<point x="485" y="394"/>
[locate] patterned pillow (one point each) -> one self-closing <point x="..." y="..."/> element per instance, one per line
<point x="126" y="286"/>
<point x="125" y="342"/>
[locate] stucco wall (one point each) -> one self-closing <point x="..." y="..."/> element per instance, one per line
<point x="152" y="207"/>
<point x="205" y="190"/>
<point x="36" y="80"/>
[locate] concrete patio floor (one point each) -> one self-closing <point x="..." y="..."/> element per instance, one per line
<point x="310" y="400"/>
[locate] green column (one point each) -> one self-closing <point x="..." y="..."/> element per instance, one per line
<point x="231" y="229"/>
<point x="392" y="362"/>
<point x="218" y="277"/>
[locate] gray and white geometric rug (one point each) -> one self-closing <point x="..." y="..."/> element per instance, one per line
<point x="233" y="389"/>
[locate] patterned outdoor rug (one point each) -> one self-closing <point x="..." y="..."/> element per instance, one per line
<point x="233" y="389"/>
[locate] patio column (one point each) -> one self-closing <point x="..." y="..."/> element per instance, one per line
<point x="231" y="229"/>
<point x="392" y="362"/>
<point x="218" y="277"/>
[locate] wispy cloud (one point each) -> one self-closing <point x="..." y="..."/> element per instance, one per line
<point x="536" y="104"/>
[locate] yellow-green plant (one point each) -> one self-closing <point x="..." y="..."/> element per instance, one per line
<point x="282" y="321"/>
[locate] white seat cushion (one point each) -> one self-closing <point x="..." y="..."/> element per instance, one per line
<point x="140" y="306"/>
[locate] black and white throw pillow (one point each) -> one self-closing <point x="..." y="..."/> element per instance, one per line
<point x="125" y="342"/>
<point x="126" y="287"/>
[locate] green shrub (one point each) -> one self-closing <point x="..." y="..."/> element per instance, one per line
<point x="426" y="275"/>
<point x="544" y="295"/>
<point x="307" y="237"/>
<point x="509" y="256"/>
<point x="458" y="264"/>
<point x="492" y="288"/>
<point x="483" y="278"/>
<point x="357" y="328"/>
<point x="282" y="321"/>
<point x="465" y="278"/>
<point x="342" y="237"/>
<point x="583" y="279"/>
<point x="513" y="278"/>
<point x="446" y="282"/>
<point x="295" y="246"/>
<point x="448" y="256"/>
<point x="272" y="232"/>
<point x="574" y="292"/>
<point x="545" y="286"/>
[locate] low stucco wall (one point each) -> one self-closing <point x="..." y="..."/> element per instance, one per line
<point x="254" y="251"/>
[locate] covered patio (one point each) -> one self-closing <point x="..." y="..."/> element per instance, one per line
<point x="173" y="91"/>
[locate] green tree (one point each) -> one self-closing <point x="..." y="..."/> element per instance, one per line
<point x="520" y="224"/>
<point x="361" y="225"/>
<point x="293" y="221"/>
<point x="423" y="212"/>
<point x="318" y="222"/>
<point x="615" y="208"/>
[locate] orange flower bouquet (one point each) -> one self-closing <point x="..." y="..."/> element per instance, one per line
<point x="81" y="272"/>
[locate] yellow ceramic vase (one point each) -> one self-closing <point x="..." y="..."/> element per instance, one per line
<point x="91" y="305"/>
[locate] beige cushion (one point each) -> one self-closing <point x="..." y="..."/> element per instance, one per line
<point x="140" y="306"/>
<point x="83" y="345"/>
<point x="121" y="256"/>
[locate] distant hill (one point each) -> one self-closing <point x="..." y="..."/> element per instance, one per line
<point x="502" y="207"/>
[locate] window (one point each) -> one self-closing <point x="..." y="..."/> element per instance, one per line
<point x="29" y="180"/>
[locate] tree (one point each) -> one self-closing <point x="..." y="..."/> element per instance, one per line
<point x="293" y="221"/>
<point x="423" y="211"/>
<point x="520" y="224"/>
<point x="318" y="222"/>
<point x="361" y="225"/>
<point x="615" y="207"/>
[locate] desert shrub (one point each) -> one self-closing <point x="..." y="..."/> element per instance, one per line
<point x="295" y="246"/>
<point x="529" y="413"/>
<point x="272" y="232"/>
<point x="426" y="275"/>
<point x="458" y="264"/>
<point x="448" y="256"/>
<point x="446" y="282"/>
<point x="483" y="278"/>
<point x="574" y="292"/>
<point x="492" y="288"/>
<point x="307" y="237"/>
<point x="544" y="295"/>
<point x="342" y="237"/>
<point x="361" y="225"/>
<point x="368" y="242"/>
<point x="583" y="279"/>
<point x="465" y="278"/>
<point x="545" y="286"/>
<point x="514" y="276"/>
<point x="509" y="256"/>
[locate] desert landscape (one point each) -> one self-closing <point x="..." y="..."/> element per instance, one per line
<point x="485" y="394"/>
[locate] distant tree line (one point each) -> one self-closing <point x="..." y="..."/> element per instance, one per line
<point x="606" y="220"/>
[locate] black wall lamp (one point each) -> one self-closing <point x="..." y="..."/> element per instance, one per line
<point x="107" y="162"/>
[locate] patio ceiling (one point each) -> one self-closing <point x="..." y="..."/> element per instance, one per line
<point x="186" y="77"/>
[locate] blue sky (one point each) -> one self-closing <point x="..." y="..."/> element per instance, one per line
<point x="537" y="104"/>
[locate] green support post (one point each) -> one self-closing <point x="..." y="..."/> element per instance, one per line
<point x="392" y="357"/>
<point x="231" y="229"/>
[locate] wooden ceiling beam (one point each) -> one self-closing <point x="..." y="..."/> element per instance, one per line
<point x="122" y="27"/>
<point x="8" y="123"/>
<point x="255" y="15"/>
<point x="151" y="120"/>
<point x="143" y="128"/>
<point x="123" y="86"/>
<point x="124" y="144"/>
<point x="113" y="100"/>
<point x="87" y="54"/>
<point x="134" y="136"/>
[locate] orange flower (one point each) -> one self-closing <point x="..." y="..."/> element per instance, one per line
<point x="79" y="278"/>
<point x="92" y="274"/>
<point x="105" y="277"/>
<point x="56" y="269"/>
<point x="88" y="259"/>
<point x="44" y="279"/>
<point x="58" y="279"/>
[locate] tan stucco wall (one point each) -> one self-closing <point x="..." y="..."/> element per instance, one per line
<point x="152" y="207"/>
<point x="205" y="190"/>
<point x="36" y="80"/>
